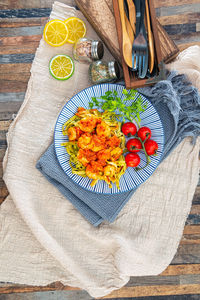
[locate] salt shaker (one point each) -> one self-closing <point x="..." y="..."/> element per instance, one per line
<point x="101" y="71"/>
<point x="86" y="50"/>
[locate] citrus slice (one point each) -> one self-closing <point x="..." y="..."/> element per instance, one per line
<point x="61" y="67"/>
<point x="55" y="33"/>
<point x="76" y="28"/>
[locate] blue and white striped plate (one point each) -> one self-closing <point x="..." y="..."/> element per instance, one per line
<point x="131" y="179"/>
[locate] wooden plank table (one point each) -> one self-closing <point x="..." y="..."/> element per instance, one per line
<point x="21" y="25"/>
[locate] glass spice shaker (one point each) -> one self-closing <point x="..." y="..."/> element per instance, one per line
<point x="101" y="71"/>
<point x="86" y="50"/>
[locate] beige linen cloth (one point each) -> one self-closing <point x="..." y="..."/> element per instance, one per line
<point x="44" y="239"/>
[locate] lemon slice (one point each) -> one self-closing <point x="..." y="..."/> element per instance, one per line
<point x="55" y="33"/>
<point x="61" y="67"/>
<point x="76" y="28"/>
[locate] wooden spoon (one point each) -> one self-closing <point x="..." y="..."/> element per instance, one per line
<point x="129" y="29"/>
<point x="132" y="14"/>
<point x="150" y="38"/>
<point x="126" y="42"/>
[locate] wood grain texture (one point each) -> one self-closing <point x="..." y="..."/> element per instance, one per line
<point x="8" y="109"/>
<point x="196" y="199"/>
<point x="25" y="13"/>
<point x="187" y="269"/>
<point x="193" y="37"/>
<point x="3" y="192"/>
<point x="19" y="49"/>
<point x="156" y="290"/>
<point x="9" y="99"/>
<point x="26" y="22"/>
<point x="21" y="31"/>
<point x="19" y="4"/>
<point x="189" y="18"/>
<point x="191" y="229"/>
<point x="181" y="9"/>
<point x="15" y="68"/>
<point x="187" y="254"/>
<point x="190" y="240"/>
<point x="21" y="26"/>
<point x="17" y="58"/>
<point x="168" y="48"/>
<point x="13" y="86"/>
<point x="4" y="125"/>
<point x="15" y="77"/>
<point x="180" y="29"/>
<point x="167" y="3"/>
<point x="10" y="288"/>
<point x="49" y="295"/>
<point x="19" y="40"/>
<point x="168" y="297"/>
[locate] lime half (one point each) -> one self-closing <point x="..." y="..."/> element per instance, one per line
<point x="61" y="67"/>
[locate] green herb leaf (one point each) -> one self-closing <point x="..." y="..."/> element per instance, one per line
<point x="91" y="105"/>
<point x="112" y="102"/>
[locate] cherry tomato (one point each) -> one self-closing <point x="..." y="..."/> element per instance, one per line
<point x="132" y="160"/>
<point x="144" y="133"/>
<point x="134" y="145"/>
<point x="129" y="129"/>
<point x="151" y="147"/>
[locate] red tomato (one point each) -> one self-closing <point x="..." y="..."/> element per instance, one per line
<point x="129" y="128"/>
<point x="144" y="133"/>
<point x="151" y="147"/>
<point x="132" y="160"/>
<point x="134" y="145"/>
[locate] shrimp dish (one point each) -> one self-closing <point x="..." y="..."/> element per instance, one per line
<point x="95" y="145"/>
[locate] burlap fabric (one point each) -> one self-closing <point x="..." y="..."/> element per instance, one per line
<point x="43" y="238"/>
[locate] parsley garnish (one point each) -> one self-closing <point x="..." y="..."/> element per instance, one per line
<point x="112" y="102"/>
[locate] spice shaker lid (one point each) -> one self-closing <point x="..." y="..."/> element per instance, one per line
<point x="97" y="50"/>
<point x="113" y="69"/>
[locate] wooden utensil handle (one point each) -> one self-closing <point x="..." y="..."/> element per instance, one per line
<point x="121" y="10"/>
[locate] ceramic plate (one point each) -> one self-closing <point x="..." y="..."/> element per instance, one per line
<point x="131" y="179"/>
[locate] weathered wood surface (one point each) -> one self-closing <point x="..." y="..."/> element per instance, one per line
<point x="21" y="24"/>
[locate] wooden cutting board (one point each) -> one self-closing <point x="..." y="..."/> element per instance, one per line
<point x="101" y="16"/>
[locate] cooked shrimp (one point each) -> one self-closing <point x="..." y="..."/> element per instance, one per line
<point x="103" y="129"/>
<point x="103" y="163"/>
<point x="79" y="132"/>
<point x="103" y="155"/>
<point x="84" y="142"/>
<point x="113" y="142"/>
<point x="71" y="132"/>
<point x="94" y="170"/>
<point x="82" y="112"/>
<point x="115" y="153"/>
<point x="82" y="158"/>
<point x="85" y="156"/>
<point x="74" y="133"/>
<point x="98" y="143"/>
<point x="88" y="124"/>
<point x="110" y="171"/>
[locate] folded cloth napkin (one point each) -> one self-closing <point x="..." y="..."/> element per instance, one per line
<point x="178" y="105"/>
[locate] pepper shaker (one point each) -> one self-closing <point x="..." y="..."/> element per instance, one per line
<point x="101" y="71"/>
<point x="86" y="50"/>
